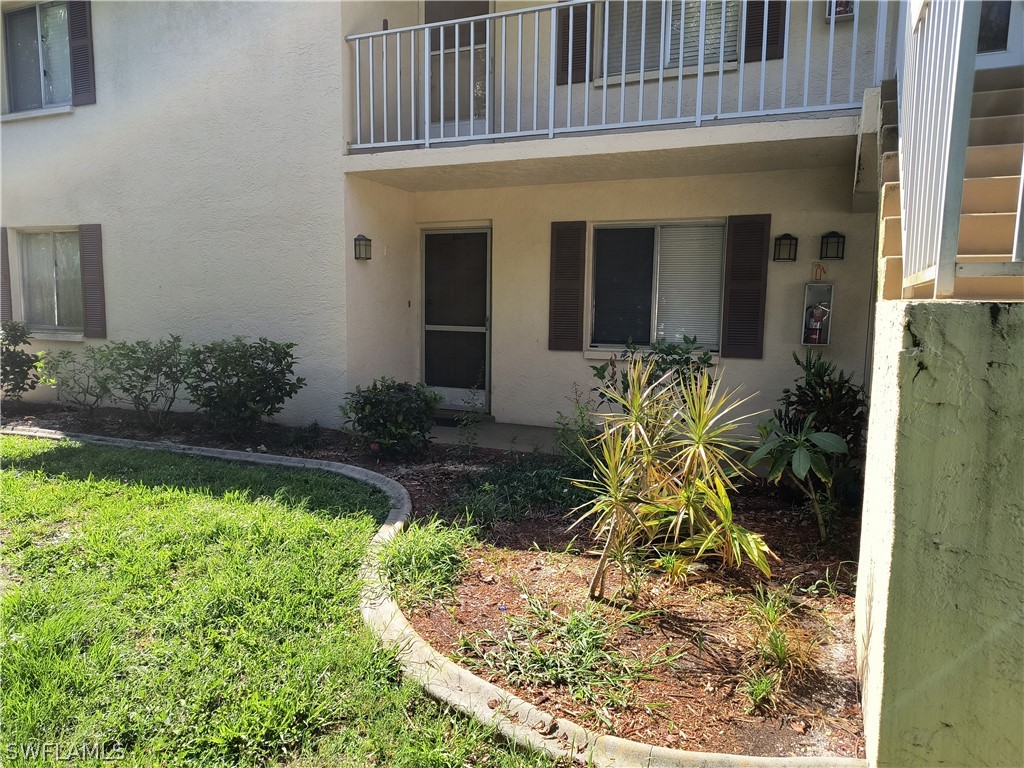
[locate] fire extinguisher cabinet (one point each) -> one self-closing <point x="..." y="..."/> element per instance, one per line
<point x="816" y="328"/>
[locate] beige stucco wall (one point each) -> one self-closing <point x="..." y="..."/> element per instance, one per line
<point x="531" y="383"/>
<point x="940" y="597"/>
<point x="383" y="308"/>
<point x="213" y="161"/>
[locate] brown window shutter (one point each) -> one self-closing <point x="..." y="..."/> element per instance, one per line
<point x="755" y="28"/>
<point x="6" y="310"/>
<point x="746" y="283"/>
<point x="90" y="252"/>
<point x="83" y="72"/>
<point x="568" y="267"/>
<point x="578" y="17"/>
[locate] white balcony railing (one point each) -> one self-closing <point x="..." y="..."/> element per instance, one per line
<point x="936" y="76"/>
<point x="588" y="65"/>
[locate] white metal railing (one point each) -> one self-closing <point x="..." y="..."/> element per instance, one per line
<point x="936" y="79"/>
<point x="623" y="65"/>
<point x="936" y="68"/>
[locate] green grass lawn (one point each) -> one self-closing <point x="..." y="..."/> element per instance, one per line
<point x="196" y="612"/>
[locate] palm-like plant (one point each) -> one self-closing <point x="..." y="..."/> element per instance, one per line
<point x="666" y="442"/>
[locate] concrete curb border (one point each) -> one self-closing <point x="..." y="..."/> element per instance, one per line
<point x="514" y="718"/>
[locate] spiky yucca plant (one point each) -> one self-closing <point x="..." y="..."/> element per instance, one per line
<point x="663" y="460"/>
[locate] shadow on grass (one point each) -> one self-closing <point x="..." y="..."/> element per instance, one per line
<point x="322" y="493"/>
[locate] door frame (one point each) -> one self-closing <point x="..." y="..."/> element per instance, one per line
<point x="424" y="231"/>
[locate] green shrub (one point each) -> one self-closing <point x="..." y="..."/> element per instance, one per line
<point x="17" y="367"/>
<point x="520" y="488"/>
<point x="393" y="418"/>
<point x="835" y="404"/>
<point x="146" y="374"/>
<point x="830" y="397"/>
<point x="799" y="457"/>
<point x="82" y="380"/>
<point x="237" y="383"/>
<point x="682" y="360"/>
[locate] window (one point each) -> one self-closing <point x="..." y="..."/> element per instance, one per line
<point x="662" y="282"/>
<point x="659" y="39"/>
<point x="61" y="279"/>
<point x="49" y="58"/>
<point x="994" y="31"/>
<point x="52" y="280"/>
<point x="38" y="57"/>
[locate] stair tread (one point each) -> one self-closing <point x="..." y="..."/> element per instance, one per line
<point x="998" y="79"/>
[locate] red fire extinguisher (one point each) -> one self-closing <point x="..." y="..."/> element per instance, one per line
<point x="814" y="324"/>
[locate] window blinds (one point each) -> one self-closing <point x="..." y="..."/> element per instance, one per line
<point x="690" y="283"/>
<point x="663" y="20"/>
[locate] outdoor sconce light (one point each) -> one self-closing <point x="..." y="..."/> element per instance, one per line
<point x="833" y="246"/>
<point x="363" y="248"/>
<point x="785" y="248"/>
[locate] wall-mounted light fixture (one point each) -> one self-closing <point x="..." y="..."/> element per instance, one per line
<point x="362" y="248"/>
<point x="833" y="246"/>
<point x="785" y="248"/>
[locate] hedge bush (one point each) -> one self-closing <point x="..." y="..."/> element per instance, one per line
<point x="18" y="373"/>
<point x="393" y="418"/>
<point x="146" y="374"/>
<point x="237" y="383"/>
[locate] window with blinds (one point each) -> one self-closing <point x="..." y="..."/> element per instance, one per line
<point x="657" y="42"/>
<point x="690" y="282"/>
<point x="663" y="282"/>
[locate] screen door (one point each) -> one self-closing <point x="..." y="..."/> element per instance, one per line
<point x="456" y="329"/>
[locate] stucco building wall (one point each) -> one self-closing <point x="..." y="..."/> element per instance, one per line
<point x="213" y="162"/>
<point x="384" y="310"/>
<point x="530" y="384"/>
<point x="940" y="594"/>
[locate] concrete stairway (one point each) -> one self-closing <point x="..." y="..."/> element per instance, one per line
<point x="992" y="188"/>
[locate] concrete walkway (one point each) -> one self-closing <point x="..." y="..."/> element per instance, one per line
<point x="503" y="437"/>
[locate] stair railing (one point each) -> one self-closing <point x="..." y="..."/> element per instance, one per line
<point x="936" y="88"/>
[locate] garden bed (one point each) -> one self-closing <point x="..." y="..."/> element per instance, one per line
<point x="673" y="663"/>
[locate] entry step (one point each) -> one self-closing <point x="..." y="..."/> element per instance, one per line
<point x="449" y="417"/>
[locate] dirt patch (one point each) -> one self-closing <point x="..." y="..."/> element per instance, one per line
<point x="193" y="429"/>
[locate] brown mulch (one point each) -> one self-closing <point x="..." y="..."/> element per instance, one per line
<point x="693" y="703"/>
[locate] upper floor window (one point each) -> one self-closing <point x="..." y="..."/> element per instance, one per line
<point x="651" y="36"/>
<point x="658" y="40"/>
<point x="38" y="56"/>
<point x="49" y="57"/>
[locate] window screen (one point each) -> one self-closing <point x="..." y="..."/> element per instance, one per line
<point x="38" y="59"/>
<point x="623" y="275"/>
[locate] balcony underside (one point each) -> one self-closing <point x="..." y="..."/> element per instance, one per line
<point x="740" y="147"/>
